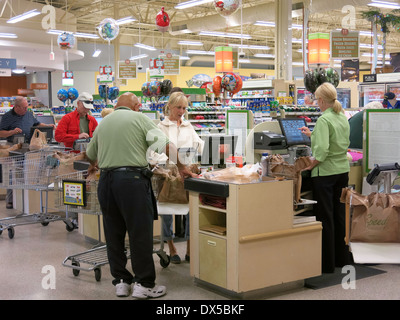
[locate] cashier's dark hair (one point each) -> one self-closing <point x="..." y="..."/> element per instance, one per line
<point x="328" y="93"/>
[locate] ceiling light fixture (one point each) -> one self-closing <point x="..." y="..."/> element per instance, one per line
<point x="86" y="35"/>
<point x="264" y="55"/>
<point x="247" y="46"/>
<point x="184" y="58"/>
<point x="264" y="23"/>
<point x="140" y="56"/>
<point x="18" y="71"/>
<point x="8" y="35"/>
<point x="384" y="4"/>
<point x="208" y="53"/>
<point x="191" y="3"/>
<point x="144" y="46"/>
<point x="125" y="20"/>
<point x="23" y="16"/>
<point x="190" y="43"/>
<point x="244" y="61"/>
<point x="224" y="34"/>
<point x="96" y="53"/>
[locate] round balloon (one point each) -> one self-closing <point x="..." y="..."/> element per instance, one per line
<point x="145" y="89"/>
<point x="155" y="88"/>
<point x="166" y="87"/>
<point x="73" y="94"/>
<point x="113" y="93"/>
<point x="206" y="85"/>
<point x="62" y="95"/>
<point x="226" y="7"/>
<point x="332" y="76"/>
<point x="239" y="84"/>
<point x="103" y="91"/>
<point x="217" y="85"/>
<point x="229" y="81"/>
<point x="108" y="29"/>
<point x="66" y="40"/>
<point x="162" y="21"/>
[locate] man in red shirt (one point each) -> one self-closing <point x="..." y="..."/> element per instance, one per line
<point x="77" y="124"/>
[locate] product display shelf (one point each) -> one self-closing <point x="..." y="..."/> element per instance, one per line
<point x="207" y="118"/>
<point x="255" y="243"/>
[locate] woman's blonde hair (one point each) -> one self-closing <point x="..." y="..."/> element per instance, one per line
<point x="175" y="99"/>
<point x="328" y="93"/>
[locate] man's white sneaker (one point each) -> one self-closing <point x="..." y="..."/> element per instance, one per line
<point x="122" y="289"/>
<point x="141" y="292"/>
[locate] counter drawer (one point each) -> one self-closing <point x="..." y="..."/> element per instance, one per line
<point x="212" y="259"/>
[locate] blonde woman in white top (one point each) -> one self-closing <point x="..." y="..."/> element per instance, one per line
<point x="182" y="134"/>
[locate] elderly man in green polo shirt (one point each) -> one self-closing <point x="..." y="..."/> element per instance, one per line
<point x="119" y="145"/>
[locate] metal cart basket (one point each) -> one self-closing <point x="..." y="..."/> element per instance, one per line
<point x="93" y="259"/>
<point x="35" y="170"/>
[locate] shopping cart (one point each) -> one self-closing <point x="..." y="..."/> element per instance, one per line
<point x="35" y="170"/>
<point x="82" y="198"/>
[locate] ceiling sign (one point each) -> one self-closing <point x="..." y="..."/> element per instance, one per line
<point x="223" y="59"/>
<point x="345" y="45"/>
<point x="318" y="48"/>
<point x="127" y="69"/>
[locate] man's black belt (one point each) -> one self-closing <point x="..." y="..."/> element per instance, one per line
<point x="143" y="170"/>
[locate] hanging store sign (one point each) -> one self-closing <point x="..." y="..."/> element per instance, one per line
<point x="127" y="69"/>
<point x="68" y="78"/>
<point x="345" y="45"/>
<point x="171" y="64"/>
<point x="223" y="59"/>
<point x="318" y="48"/>
<point x="106" y="74"/>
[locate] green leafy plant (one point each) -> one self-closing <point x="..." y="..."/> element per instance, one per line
<point x="385" y="20"/>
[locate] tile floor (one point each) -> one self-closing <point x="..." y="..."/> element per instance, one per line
<point x="24" y="259"/>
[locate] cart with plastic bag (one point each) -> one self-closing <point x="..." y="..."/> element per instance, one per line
<point x="34" y="170"/>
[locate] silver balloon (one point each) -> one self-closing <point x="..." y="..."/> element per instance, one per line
<point x="227" y="7"/>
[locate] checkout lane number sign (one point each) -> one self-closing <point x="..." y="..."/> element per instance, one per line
<point x="74" y="192"/>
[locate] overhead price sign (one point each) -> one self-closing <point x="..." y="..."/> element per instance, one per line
<point x="171" y="64"/>
<point x="345" y="45"/>
<point x="318" y="48"/>
<point x="127" y="69"/>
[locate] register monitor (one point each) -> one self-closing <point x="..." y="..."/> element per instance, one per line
<point x="290" y="129"/>
<point x="217" y="148"/>
<point x="46" y="119"/>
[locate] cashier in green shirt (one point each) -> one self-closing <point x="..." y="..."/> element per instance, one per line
<point x="330" y="168"/>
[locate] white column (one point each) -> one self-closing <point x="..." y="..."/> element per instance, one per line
<point x="283" y="39"/>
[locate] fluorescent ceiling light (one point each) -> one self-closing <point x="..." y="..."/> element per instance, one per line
<point x="384" y="4"/>
<point x="294" y="40"/>
<point x="191" y="3"/>
<point x="25" y="15"/>
<point x="264" y="23"/>
<point x="86" y="35"/>
<point x="8" y="35"/>
<point x="96" y="53"/>
<point x="54" y="31"/>
<point x="18" y="71"/>
<point x="387" y="56"/>
<point x="144" y="46"/>
<point x="190" y="43"/>
<point x="369" y="46"/>
<point x="224" y="34"/>
<point x="297" y="26"/>
<point x="209" y="53"/>
<point x="246" y="46"/>
<point x="125" y="20"/>
<point x="184" y="58"/>
<point x="244" y="61"/>
<point x="140" y="56"/>
<point x="264" y="55"/>
<point x="297" y="63"/>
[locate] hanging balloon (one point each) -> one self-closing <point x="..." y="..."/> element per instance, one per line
<point x="66" y="40"/>
<point x="239" y="85"/>
<point x="166" y="87"/>
<point x="332" y="76"/>
<point x="162" y="21"/>
<point x="206" y="85"/>
<point x="226" y="7"/>
<point x="200" y="78"/>
<point x="113" y="93"/>
<point x="108" y="29"/>
<point x="145" y="89"/>
<point x="103" y="90"/>
<point x="216" y="87"/>
<point x="62" y="95"/>
<point x="229" y="81"/>
<point x="155" y="88"/>
<point x="311" y="80"/>
<point x="73" y="94"/>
